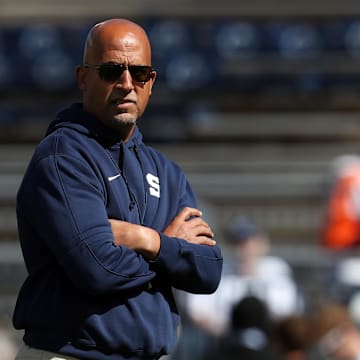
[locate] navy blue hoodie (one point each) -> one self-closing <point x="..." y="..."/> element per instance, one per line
<point x="84" y="296"/>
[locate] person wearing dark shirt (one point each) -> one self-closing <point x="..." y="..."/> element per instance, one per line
<point x="108" y="225"/>
<point x="250" y="335"/>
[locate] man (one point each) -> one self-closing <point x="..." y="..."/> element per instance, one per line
<point x="107" y="224"/>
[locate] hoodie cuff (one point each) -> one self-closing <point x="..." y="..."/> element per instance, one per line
<point x="170" y="249"/>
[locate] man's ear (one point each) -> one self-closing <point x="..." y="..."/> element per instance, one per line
<point x="152" y="81"/>
<point x="80" y="73"/>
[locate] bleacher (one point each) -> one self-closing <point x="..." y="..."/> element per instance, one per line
<point x="253" y="106"/>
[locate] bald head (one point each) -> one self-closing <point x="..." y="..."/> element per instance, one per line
<point x="116" y="53"/>
<point x="108" y="34"/>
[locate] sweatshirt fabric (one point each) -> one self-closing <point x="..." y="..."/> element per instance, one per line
<point x="84" y="296"/>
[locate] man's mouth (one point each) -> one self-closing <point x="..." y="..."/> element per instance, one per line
<point x="117" y="101"/>
<point x="121" y="102"/>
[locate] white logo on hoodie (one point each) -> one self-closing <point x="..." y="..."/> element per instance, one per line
<point x="154" y="185"/>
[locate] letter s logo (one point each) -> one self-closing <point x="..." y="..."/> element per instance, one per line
<point x="154" y="184"/>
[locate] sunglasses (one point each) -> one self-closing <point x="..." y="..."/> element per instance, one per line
<point x="112" y="72"/>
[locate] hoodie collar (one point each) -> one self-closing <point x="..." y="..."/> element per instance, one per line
<point x="75" y="117"/>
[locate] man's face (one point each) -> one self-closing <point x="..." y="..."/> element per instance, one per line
<point x="118" y="103"/>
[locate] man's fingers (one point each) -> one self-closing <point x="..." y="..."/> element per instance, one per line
<point x="196" y="221"/>
<point x="198" y="226"/>
<point x="189" y="226"/>
<point x="207" y="232"/>
<point x="187" y="212"/>
<point x="204" y="240"/>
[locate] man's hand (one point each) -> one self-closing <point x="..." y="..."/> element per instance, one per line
<point x="188" y="225"/>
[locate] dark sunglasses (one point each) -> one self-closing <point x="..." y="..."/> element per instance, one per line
<point x="112" y="72"/>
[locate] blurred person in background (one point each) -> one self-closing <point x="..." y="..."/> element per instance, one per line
<point x="8" y="346"/>
<point x="340" y="229"/>
<point x="251" y="272"/>
<point x="334" y="334"/>
<point x="108" y="226"/>
<point x="291" y="337"/>
<point x="250" y="334"/>
<point x="341" y="224"/>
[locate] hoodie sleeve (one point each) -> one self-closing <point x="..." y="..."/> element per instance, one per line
<point x="190" y="267"/>
<point x="64" y="201"/>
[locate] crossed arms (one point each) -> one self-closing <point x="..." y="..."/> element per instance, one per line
<point x="187" y="225"/>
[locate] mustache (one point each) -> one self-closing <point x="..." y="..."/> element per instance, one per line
<point x="121" y="100"/>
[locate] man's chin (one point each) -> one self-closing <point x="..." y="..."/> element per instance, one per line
<point x="124" y="120"/>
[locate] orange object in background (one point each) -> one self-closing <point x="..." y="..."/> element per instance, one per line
<point x="341" y="228"/>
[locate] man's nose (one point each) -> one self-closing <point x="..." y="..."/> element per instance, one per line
<point x="125" y="81"/>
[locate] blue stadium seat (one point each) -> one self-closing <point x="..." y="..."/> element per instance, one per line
<point x="333" y="31"/>
<point x="53" y="71"/>
<point x="310" y="82"/>
<point x="7" y="74"/>
<point x="45" y="57"/>
<point x="299" y="41"/>
<point x="74" y="36"/>
<point x="9" y="68"/>
<point x="237" y="40"/>
<point x="35" y="39"/>
<point x="2" y="38"/>
<point x="188" y="70"/>
<point x="200" y="115"/>
<point x="352" y="39"/>
<point x="169" y="36"/>
<point x="6" y="115"/>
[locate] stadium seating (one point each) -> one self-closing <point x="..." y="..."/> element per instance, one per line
<point x="253" y="108"/>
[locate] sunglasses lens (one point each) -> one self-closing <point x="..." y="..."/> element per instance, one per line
<point x="110" y="73"/>
<point x="140" y="73"/>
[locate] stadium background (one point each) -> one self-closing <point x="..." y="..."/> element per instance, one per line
<point x="254" y="99"/>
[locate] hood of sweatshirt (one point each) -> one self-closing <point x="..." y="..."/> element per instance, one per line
<point x="76" y="118"/>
